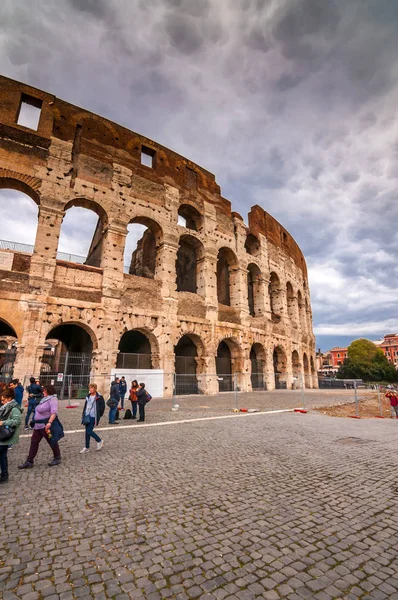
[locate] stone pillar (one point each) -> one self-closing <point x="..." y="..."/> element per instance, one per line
<point x="43" y="261"/>
<point x="166" y="265"/>
<point x="30" y="347"/>
<point x="112" y="260"/>
<point x="269" y="375"/>
<point x="239" y="295"/>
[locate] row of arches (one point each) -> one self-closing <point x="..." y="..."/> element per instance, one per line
<point x="69" y="347"/>
<point x="142" y="258"/>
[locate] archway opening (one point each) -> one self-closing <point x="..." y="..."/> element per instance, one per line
<point x="280" y="365"/>
<point x="291" y="303"/>
<point x="302" y="315"/>
<point x="226" y="260"/>
<point x="19" y="218"/>
<point x="186" y="353"/>
<point x="8" y="351"/>
<point x="306" y="366"/>
<point x="225" y="367"/>
<point x="276" y="299"/>
<point x="82" y="233"/>
<point x="135" y="351"/>
<point x="189" y="265"/>
<point x="141" y="249"/>
<point x="252" y="245"/>
<point x="67" y="360"/>
<point x="189" y="217"/>
<point x="257" y="363"/>
<point x="254" y="290"/>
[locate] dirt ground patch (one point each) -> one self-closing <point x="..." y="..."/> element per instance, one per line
<point x="367" y="408"/>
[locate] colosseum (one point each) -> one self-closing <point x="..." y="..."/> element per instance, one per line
<point x="204" y="302"/>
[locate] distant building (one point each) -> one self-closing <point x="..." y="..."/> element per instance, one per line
<point x="389" y="345"/>
<point x="338" y="356"/>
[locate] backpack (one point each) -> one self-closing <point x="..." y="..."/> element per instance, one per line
<point x="127" y="414"/>
<point x="148" y="397"/>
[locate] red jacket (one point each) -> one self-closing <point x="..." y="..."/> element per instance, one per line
<point x="392" y="398"/>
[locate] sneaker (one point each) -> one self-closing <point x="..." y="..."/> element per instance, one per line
<point x="100" y="444"/>
<point x="26" y="428"/>
<point x="84" y="450"/>
<point x="114" y="423"/>
<point x="55" y="461"/>
<point x="4" y="479"/>
<point x="26" y="465"/>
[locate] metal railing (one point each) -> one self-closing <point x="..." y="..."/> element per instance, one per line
<point x="28" y="249"/>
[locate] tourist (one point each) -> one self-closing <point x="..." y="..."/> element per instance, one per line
<point x="393" y="398"/>
<point x="122" y="391"/>
<point x="113" y="402"/>
<point x="133" y="398"/>
<point x="18" y="390"/>
<point x="10" y="418"/>
<point x="141" y="398"/>
<point x="45" y="414"/>
<point x="35" y="394"/>
<point x="93" y="410"/>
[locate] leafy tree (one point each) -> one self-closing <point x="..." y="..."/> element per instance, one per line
<point x="368" y="362"/>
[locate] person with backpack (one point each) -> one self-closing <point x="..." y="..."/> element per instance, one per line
<point x="10" y="420"/>
<point x="142" y="397"/>
<point x="122" y="391"/>
<point x="94" y="408"/>
<point x="35" y="394"/>
<point x="133" y="398"/>
<point x="113" y="401"/>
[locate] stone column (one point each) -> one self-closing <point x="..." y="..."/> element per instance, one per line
<point x="112" y="260"/>
<point x="43" y="261"/>
<point x="166" y="265"/>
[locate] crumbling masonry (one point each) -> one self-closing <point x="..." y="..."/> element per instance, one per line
<point x="202" y="294"/>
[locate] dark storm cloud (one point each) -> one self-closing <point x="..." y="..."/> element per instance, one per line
<point x="291" y="103"/>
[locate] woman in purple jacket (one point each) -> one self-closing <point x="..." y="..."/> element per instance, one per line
<point x="46" y="412"/>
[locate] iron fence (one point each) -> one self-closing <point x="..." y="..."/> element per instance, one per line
<point x="127" y="360"/>
<point x="29" y="249"/>
<point x="7" y="360"/>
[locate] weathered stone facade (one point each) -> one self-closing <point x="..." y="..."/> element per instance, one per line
<point x="213" y="279"/>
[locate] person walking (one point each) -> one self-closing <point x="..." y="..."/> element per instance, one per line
<point x="18" y="390"/>
<point x="45" y="414"/>
<point x="393" y="398"/>
<point x="141" y="398"/>
<point x="133" y="398"/>
<point x="114" y="401"/>
<point x="10" y="418"/>
<point x="35" y="394"/>
<point x="122" y="391"/>
<point x="93" y="410"/>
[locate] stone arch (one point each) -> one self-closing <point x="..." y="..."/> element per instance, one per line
<point x="306" y="367"/>
<point x="252" y="245"/>
<point x="96" y="248"/>
<point x="6" y="329"/>
<point x="8" y="350"/>
<point x="143" y="261"/>
<point x="226" y="275"/>
<point x="138" y="349"/>
<point x="188" y="353"/>
<point x="189" y="265"/>
<point x="258" y="366"/>
<point x="276" y="297"/>
<point x="22" y="183"/>
<point x="20" y="205"/>
<point x="280" y="367"/>
<point x="228" y="362"/>
<point x="190" y="217"/>
<point x="291" y="303"/>
<point x="254" y="290"/>
<point x="69" y="333"/>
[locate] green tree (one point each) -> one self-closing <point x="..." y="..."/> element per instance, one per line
<point x="366" y="361"/>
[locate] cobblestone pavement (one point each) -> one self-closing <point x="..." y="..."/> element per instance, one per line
<point x="266" y="506"/>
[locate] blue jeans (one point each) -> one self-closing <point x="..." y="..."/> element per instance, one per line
<point x="112" y="414"/>
<point x="122" y="400"/>
<point x="31" y="409"/>
<point x="90" y="432"/>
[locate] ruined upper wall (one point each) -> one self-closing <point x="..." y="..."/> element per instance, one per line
<point x="98" y="143"/>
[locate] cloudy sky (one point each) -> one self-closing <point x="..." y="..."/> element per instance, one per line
<point x="291" y="103"/>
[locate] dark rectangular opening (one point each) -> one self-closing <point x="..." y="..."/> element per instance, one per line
<point x="191" y="178"/>
<point x="29" y="112"/>
<point x="148" y="157"/>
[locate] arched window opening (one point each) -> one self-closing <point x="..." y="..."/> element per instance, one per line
<point x="189" y="265"/>
<point x="82" y="236"/>
<point x="186" y="353"/>
<point x="252" y="245"/>
<point x="257" y="362"/>
<point x="254" y="290"/>
<point x="140" y="253"/>
<point x="67" y="360"/>
<point x="189" y="217"/>
<point x="291" y="302"/>
<point x="307" y="376"/>
<point x="276" y="297"/>
<point x="225" y="277"/>
<point x="134" y="351"/>
<point x="19" y="217"/>
<point x="279" y="361"/>
<point x="8" y="351"/>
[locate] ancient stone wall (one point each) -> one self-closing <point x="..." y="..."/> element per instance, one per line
<point x="259" y="307"/>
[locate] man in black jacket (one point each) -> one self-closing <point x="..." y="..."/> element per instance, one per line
<point x="115" y="397"/>
<point x="141" y="397"/>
